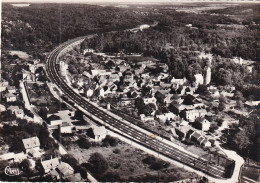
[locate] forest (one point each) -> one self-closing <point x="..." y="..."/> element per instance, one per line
<point x="38" y="28"/>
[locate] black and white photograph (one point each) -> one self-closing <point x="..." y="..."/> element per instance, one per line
<point x="130" y="91"/>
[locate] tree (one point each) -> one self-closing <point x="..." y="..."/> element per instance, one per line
<point x="25" y="165"/>
<point x="160" y="97"/>
<point x="242" y="140"/>
<point x="98" y="163"/>
<point x="221" y="106"/>
<point x="68" y="158"/>
<point x="202" y="89"/>
<point x="110" y="140"/>
<point x="83" y="143"/>
<point x="139" y="103"/>
<point x="223" y="99"/>
<point x="188" y="100"/>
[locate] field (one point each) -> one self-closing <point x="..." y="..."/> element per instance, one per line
<point x="127" y="162"/>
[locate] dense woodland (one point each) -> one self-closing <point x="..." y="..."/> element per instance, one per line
<point x="38" y="28"/>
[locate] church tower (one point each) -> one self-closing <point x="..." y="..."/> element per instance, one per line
<point x="207" y="76"/>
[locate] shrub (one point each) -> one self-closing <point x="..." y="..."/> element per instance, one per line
<point x="116" y="151"/>
<point x="110" y="140"/>
<point x="83" y="143"/>
<point x="98" y="163"/>
<point x="149" y="160"/>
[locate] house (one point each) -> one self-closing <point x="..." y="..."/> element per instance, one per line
<point x="10" y="97"/>
<point x="177" y="99"/>
<point x="199" y="80"/>
<point x="85" y="73"/>
<point x="166" y="117"/>
<point x="64" y="169"/>
<point x="178" y="81"/>
<point x="2" y="108"/>
<point x="74" y="178"/>
<point x="28" y="76"/>
<point x="191" y="115"/>
<point x="227" y="94"/>
<point x="66" y="127"/>
<point x="168" y="99"/>
<point x="19" y="113"/>
<point x="150" y="100"/>
<point x="16" y="111"/>
<point x="3" y="85"/>
<point x="19" y="157"/>
<point x="11" y="89"/>
<point x="198" y="139"/>
<point x="252" y="103"/>
<point x="31" y="143"/>
<point x="90" y="92"/>
<point x="146" y="118"/>
<point x="54" y="120"/>
<point x="114" y="78"/>
<point x="95" y="72"/>
<point x="34" y="153"/>
<point x="99" y="133"/>
<point x="182" y="131"/>
<point x="214" y="93"/>
<point x="50" y="164"/>
<point x="201" y="124"/>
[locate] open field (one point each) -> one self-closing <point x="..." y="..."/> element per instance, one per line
<point x="127" y="162"/>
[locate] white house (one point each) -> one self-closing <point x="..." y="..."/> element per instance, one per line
<point x="146" y="118"/>
<point x="99" y="133"/>
<point x="166" y="117"/>
<point x="19" y="157"/>
<point x="49" y="165"/>
<point x="201" y="124"/>
<point x="178" y="81"/>
<point x="54" y="120"/>
<point x="66" y="128"/>
<point x="10" y="97"/>
<point x="3" y="85"/>
<point x="89" y="92"/>
<point x="191" y="115"/>
<point x="11" y="89"/>
<point x="2" y="108"/>
<point x="16" y="111"/>
<point x="31" y="143"/>
<point x="28" y="76"/>
<point x="150" y="100"/>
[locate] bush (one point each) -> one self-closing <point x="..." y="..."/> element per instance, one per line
<point x="116" y="151"/>
<point x="110" y="141"/>
<point x="98" y="163"/>
<point x="159" y="164"/>
<point x="149" y="160"/>
<point x="67" y="158"/>
<point x="83" y="143"/>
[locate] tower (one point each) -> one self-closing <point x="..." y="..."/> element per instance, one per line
<point x="207" y="76"/>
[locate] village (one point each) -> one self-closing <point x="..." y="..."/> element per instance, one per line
<point x="136" y="88"/>
<point x="140" y="90"/>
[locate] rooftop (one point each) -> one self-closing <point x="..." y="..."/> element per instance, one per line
<point x="31" y="142"/>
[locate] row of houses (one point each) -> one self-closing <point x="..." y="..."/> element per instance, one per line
<point x="190" y="135"/>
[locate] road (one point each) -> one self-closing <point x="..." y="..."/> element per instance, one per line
<point x="125" y="129"/>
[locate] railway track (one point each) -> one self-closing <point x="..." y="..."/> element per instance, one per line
<point x="126" y="130"/>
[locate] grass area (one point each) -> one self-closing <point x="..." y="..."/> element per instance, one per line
<point x="40" y="94"/>
<point x="127" y="162"/>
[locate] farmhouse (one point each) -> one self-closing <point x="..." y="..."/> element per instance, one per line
<point x="31" y="143"/>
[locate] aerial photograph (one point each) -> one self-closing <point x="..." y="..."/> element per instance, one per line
<point x="130" y="91"/>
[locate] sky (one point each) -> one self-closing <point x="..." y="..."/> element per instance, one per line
<point x="121" y="1"/>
